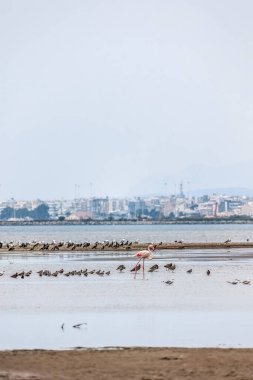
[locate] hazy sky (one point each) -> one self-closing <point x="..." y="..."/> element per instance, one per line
<point x="127" y="95"/>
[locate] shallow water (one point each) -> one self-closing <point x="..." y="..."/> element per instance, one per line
<point x="195" y="311"/>
<point x="150" y="329"/>
<point x="143" y="233"/>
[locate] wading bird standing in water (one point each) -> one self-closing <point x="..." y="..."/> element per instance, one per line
<point x="143" y="255"/>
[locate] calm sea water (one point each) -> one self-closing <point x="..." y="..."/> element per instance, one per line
<point x="143" y="233"/>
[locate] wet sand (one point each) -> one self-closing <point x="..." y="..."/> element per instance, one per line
<point x="141" y="364"/>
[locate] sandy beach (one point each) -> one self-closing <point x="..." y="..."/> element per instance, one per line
<point x="141" y="364"/>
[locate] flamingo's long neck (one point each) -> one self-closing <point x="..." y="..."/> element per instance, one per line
<point x="150" y="250"/>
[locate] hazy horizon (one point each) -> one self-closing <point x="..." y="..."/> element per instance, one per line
<point x="127" y="96"/>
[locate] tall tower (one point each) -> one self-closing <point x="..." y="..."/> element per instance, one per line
<point x="181" y="192"/>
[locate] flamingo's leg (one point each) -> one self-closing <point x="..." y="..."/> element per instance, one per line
<point x="143" y="267"/>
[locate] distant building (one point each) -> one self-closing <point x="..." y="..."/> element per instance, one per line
<point x="79" y="215"/>
<point x="247" y="209"/>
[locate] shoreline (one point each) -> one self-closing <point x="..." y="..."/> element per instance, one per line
<point x="128" y="363"/>
<point x="124" y="222"/>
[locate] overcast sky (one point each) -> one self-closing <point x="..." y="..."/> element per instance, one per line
<point x="126" y="95"/>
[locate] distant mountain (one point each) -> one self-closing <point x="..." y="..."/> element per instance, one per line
<point x="223" y="190"/>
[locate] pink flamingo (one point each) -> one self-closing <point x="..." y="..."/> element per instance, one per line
<point x="145" y="254"/>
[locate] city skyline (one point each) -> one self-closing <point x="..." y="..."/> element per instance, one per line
<point x="140" y="208"/>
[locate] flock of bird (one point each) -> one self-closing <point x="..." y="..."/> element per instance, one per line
<point x="120" y="269"/>
<point x="69" y="245"/>
<point x="48" y="273"/>
<point x="85" y="272"/>
<point x="121" y="245"/>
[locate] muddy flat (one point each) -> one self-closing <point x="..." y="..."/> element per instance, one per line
<point x="141" y="364"/>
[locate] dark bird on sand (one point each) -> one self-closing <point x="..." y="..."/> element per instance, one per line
<point x="154" y="267"/>
<point x="170" y="266"/>
<point x="121" y="268"/>
<point x="169" y="282"/>
<point x="189" y="271"/>
<point x="136" y="268"/>
<point x="208" y="272"/>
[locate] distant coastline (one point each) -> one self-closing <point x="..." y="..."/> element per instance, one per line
<point x="125" y="222"/>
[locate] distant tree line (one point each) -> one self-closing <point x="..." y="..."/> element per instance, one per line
<point x="39" y="213"/>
